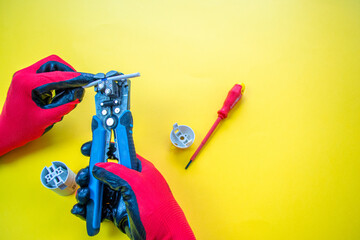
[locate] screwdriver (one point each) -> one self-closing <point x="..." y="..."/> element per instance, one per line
<point x="232" y="98"/>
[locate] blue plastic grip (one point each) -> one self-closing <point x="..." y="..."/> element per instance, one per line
<point x="94" y="206"/>
<point x="124" y="141"/>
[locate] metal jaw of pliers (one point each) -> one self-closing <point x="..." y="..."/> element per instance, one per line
<point x="113" y="115"/>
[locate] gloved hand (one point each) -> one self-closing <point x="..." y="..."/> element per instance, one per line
<point x="152" y="210"/>
<point x="39" y="96"/>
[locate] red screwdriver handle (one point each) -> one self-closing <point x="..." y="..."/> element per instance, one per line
<point x="232" y="98"/>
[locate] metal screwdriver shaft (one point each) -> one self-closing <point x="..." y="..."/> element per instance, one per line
<point x="212" y="129"/>
<point x="232" y="98"/>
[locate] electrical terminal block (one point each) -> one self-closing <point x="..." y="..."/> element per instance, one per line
<point x="59" y="178"/>
<point x="182" y="136"/>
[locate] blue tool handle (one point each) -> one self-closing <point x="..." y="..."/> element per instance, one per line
<point x="97" y="155"/>
<point x="126" y="150"/>
<point x="124" y="141"/>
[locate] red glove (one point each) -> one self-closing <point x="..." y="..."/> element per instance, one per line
<point x="38" y="97"/>
<point x="152" y="209"/>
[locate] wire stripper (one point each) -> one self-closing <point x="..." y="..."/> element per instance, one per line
<point x="113" y="117"/>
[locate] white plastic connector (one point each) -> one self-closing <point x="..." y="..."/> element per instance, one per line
<point x="59" y="178"/>
<point x="182" y="136"/>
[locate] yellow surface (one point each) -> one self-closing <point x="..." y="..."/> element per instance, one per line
<point x="284" y="165"/>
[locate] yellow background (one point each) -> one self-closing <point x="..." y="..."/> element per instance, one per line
<point x="284" y="165"/>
